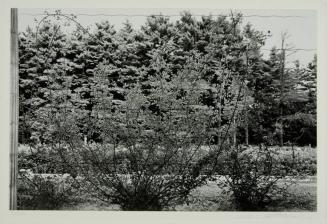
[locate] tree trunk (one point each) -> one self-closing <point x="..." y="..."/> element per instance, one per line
<point x="246" y="133"/>
<point x="234" y="132"/>
<point x="246" y="126"/>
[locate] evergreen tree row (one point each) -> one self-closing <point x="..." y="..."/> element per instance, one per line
<point x="248" y="96"/>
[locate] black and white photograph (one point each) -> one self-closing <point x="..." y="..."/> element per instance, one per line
<point x="171" y="109"/>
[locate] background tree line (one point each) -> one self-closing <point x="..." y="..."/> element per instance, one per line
<point x="67" y="72"/>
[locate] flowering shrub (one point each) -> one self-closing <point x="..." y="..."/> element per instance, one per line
<point x="44" y="191"/>
<point x="253" y="178"/>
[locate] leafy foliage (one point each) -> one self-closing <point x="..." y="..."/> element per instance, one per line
<point x="129" y="110"/>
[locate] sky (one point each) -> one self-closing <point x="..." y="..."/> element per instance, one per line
<point x="301" y="25"/>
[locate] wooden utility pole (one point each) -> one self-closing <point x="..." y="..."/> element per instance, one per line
<point x="234" y="139"/>
<point x="282" y="80"/>
<point x="14" y="108"/>
<point x="246" y="94"/>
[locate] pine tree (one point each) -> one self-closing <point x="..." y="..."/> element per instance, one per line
<point x="38" y="53"/>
